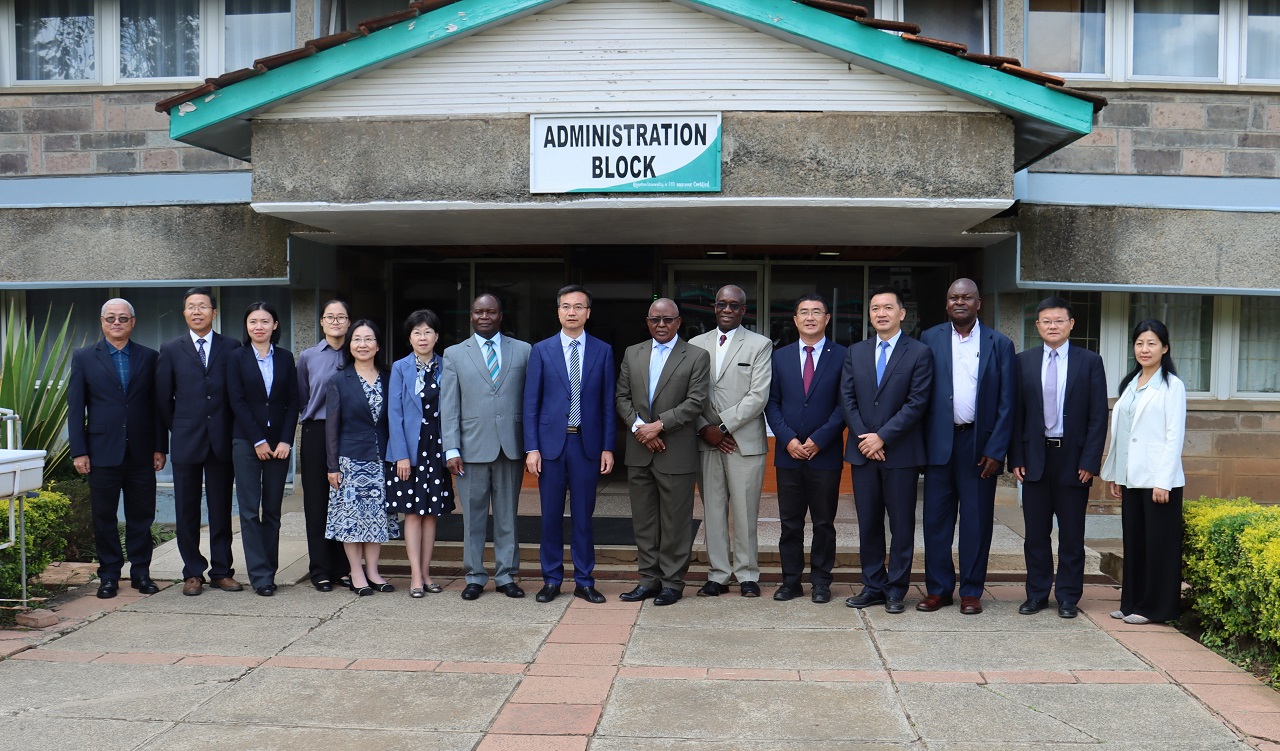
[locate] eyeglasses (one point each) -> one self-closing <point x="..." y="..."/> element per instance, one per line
<point x="1057" y="322"/>
<point x="335" y="319"/>
<point x="364" y="340"/>
<point x="810" y="313"/>
<point x="733" y="305"/>
<point x="117" y="319"/>
<point x="667" y="320"/>
<point x="198" y="308"/>
<point x="576" y="307"/>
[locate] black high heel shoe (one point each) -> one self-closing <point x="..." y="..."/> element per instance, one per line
<point x="363" y="591"/>
<point x="382" y="587"/>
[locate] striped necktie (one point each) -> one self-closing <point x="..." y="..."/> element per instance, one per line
<point x="575" y="385"/>
<point x="491" y="360"/>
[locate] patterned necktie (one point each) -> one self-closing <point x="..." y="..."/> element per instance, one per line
<point x="1051" y="391"/>
<point x="575" y="385"/>
<point x="722" y="338"/>
<point x="882" y="362"/>
<point x="204" y="357"/>
<point x="808" y="369"/>
<point x="655" y="369"/>
<point x="491" y="360"/>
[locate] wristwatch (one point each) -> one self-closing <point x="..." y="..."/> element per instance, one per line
<point x="723" y="428"/>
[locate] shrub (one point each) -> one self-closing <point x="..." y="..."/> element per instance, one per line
<point x="46" y="517"/>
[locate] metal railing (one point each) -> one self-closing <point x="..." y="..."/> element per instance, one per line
<point x="17" y="522"/>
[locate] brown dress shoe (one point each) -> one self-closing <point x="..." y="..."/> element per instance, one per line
<point x="970" y="605"/>
<point x="226" y="585"/>
<point x="934" y="602"/>
<point x="191" y="587"/>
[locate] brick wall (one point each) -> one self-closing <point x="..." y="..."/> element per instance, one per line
<point x="1169" y="133"/>
<point x="1231" y="451"/>
<point x="94" y="133"/>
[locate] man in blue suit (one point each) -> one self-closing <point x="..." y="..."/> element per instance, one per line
<point x="884" y="392"/>
<point x="116" y="439"/>
<point x="967" y="430"/>
<point x="569" y="427"/>
<point x="804" y="414"/>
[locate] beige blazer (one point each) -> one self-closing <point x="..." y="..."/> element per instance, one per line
<point x="1156" y="437"/>
<point x="741" y="390"/>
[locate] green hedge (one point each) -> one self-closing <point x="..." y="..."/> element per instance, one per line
<point x="46" y="539"/>
<point x="1231" y="561"/>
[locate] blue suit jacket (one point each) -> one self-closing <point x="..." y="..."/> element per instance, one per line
<point x="192" y="399"/>
<point x="349" y="428"/>
<point x="404" y="406"/>
<point x="895" y="409"/>
<point x="258" y="416"/>
<point x="546" y="398"/>
<point x="792" y="414"/>
<point x="102" y="419"/>
<point x="1084" y="416"/>
<point x="997" y="395"/>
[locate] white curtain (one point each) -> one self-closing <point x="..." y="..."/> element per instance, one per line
<point x="1259" y="363"/>
<point x="159" y="38"/>
<point x="953" y="20"/>
<point x="1067" y="36"/>
<point x="1176" y="38"/>
<point x="1189" y="319"/>
<point x="1264" y="40"/>
<point x="254" y="29"/>
<point x="55" y="40"/>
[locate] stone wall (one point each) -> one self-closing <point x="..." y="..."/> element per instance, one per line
<point x="1231" y="450"/>
<point x="95" y="133"/>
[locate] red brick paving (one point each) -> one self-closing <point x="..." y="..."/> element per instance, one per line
<point x="547" y="719"/>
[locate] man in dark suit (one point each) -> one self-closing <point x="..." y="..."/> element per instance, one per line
<point x="662" y="387"/>
<point x="884" y="391"/>
<point x="191" y="396"/>
<point x="569" y="427"/>
<point x="1059" y="430"/>
<point x="804" y="415"/>
<point x="116" y="439"/>
<point x="967" y="430"/>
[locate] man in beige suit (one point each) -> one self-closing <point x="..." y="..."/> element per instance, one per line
<point x="733" y="447"/>
<point x="662" y="388"/>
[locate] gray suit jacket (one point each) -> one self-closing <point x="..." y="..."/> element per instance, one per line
<point x="480" y="418"/>
<point x="740" y="393"/>
<point x="683" y="387"/>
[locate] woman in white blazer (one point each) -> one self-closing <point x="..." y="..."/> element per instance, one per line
<point x="1144" y="471"/>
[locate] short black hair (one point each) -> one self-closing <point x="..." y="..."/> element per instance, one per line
<point x="206" y="291"/>
<point x="887" y="290"/>
<point x="419" y="317"/>
<point x="811" y="297"/>
<point x="489" y="294"/>
<point x="569" y="289"/>
<point x="347" y="359"/>
<point x="265" y="307"/>
<point x="337" y="301"/>
<point x="1049" y="303"/>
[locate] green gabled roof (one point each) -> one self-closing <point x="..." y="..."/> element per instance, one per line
<point x="1045" y="120"/>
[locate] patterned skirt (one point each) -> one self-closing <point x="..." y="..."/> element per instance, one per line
<point x="357" y="508"/>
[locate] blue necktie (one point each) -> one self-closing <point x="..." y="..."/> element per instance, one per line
<point x="882" y="362"/>
<point x="575" y="386"/>
<point x="655" y="369"/>
<point x="491" y="360"/>
<point x="204" y="358"/>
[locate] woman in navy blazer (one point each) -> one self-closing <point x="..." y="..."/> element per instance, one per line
<point x="356" y="435"/>
<point x="1143" y="470"/>
<point x="262" y="389"/>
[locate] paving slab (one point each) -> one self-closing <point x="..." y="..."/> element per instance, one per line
<point x="791" y="649"/>
<point x="755" y="613"/>
<point x="960" y="712"/>
<point x="684" y="744"/>
<point x="289" y="600"/>
<point x="362" y="699"/>
<point x="181" y="633"/>
<point x="729" y="711"/>
<point x="63" y="734"/>
<point x="1004" y="650"/>
<point x="996" y="615"/>
<point x="110" y="691"/>
<point x="202" y="737"/>
<point x="449" y="606"/>
<point x="422" y="639"/>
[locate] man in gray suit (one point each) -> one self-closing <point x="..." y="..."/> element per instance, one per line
<point x="733" y="446"/>
<point x="662" y="387"/>
<point x="482" y="387"/>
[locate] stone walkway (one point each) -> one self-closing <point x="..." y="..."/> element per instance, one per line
<point x="305" y="670"/>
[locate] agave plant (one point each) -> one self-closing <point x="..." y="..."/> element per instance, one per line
<point x="35" y="386"/>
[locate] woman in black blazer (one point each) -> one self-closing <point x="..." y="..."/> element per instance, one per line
<point x="262" y="388"/>
<point x="356" y="429"/>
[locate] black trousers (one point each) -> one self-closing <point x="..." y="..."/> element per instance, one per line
<point x="327" y="559"/>
<point x="136" y="480"/>
<point x="216" y="476"/>
<point x="259" y="494"/>
<point x="1152" y="554"/>
<point x="815" y="492"/>
<point x="879" y="490"/>
<point x="1042" y="502"/>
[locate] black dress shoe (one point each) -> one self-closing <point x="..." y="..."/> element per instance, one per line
<point x="107" y="588"/>
<point x="713" y="589"/>
<point x="894" y="606"/>
<point x="865" y="599"/>
<point x="821" y="594"/>
<point x="749" y="589"/>
<point x="1031" y="607"/>
<point x="789" y="592"/>
<point x="266" y="590"/>
<point x="547" y="593"/>
<point x="145" y="585"/>
<point x="510" y="590"/>
<point x="641" y="592"/>
<point x="324" y="585"/>
<point x="668" y="596"/>
<point x="472" y="591"/>
<point x="590" y="594"/>
<point x="1067" y="611"/>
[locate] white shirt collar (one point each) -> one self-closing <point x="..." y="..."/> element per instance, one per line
<point x="972" y="332"/>
<point x="208" y="338"/>
<point x="496" y="339"/>
<point x="817" y="346"/>
<point x="565" y="339"/>
<point x="893" y="340"/>
<point x="728" y="335"/>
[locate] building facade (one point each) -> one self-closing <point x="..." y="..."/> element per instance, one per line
<point x="405" y="163"/>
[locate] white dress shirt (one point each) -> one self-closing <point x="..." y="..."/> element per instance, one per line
<point x="208" y="344"/>
<point x="965" y="351"/>
<point x="817" y="352"/>
<point x="721" y="349"/>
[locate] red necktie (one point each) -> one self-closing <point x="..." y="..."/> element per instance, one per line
<point x="808" y="369"/>
<point x="722" y="338"/>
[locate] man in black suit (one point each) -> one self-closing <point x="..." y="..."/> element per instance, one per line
<point x="804" y="414"/>
<point x="1059" y="431"/>
<point x="884" y="391"/>
<point x="191" y="396"/>
<point x="117" y="441"/>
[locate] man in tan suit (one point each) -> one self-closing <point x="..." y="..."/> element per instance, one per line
<point x="733" y="447"/>
<point x="662" y="388"/>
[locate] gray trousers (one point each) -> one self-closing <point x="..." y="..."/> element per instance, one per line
<point x="662" y="517"/>
<point x="259" y="494"/>
<point x="495" y="485"/>
<point x="730" y="485"/>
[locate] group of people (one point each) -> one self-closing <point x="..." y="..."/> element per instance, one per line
<point x="385" y="449"/>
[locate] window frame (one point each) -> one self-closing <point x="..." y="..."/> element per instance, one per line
<point x="892" y="10"/>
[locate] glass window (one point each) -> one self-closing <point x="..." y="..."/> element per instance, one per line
<point x="695" y="292"/>
<point x="234" y="301"/>
<point x="159" y="312"/>
<point x="841" y="286"/>
<point x="954" y="20"/>
<point x="528" y="294"/>
<point x="1067" y="36"/>
<point x="1263" y="42"/>
<point x="1189" y="319"/>
<point x="1259" y="364"/>
<point x="1177" y="38"/>
<point x="55" y="40"/>
<point x="343" y="15"/>
<point x="159" y="39"/>
<point x="444" y="288"/>
<point x="1086" y="309"/>
<point x="52" y="305"/>
<point x="254" y="29"/>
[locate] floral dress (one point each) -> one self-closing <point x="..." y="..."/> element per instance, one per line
<point x="429" y="489"/>
<point x="356" y="507"/>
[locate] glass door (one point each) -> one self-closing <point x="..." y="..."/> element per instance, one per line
<point x="694" y="288"/>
